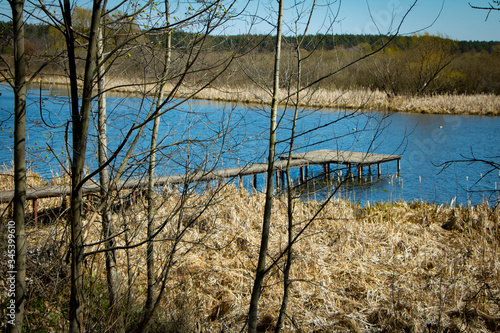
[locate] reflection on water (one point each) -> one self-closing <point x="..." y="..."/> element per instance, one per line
<point x="215" y="135"/>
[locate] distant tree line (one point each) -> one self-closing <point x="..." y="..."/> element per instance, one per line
<point x="418" y="64"/>
<point x="38" y="33"/>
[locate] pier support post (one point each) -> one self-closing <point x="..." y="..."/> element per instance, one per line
<point x="282" y="178"/>
<point x="89" y="203"/>
<point x="326" y="170"/>
<point x="360" y="171"/>
<point x="35" y="211"/>
<point x="241" y="182"/>
<point x="301" y="177"/>
<point x="255" y="183"/>
<point x="379" y="170"/>
<point x="399" y="166"/>
<point x="348" y="169"/>
<point x="64" y="203"/>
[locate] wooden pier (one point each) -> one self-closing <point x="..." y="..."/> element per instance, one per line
<point x="347" y="158"/>
<point x="324" y="157"/>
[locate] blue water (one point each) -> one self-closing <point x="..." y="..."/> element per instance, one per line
<point x="205" y="135"/>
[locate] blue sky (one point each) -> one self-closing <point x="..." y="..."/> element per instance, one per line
<point x="454" y="19"/>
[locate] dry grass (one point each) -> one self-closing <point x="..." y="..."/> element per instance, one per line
<point x="479" y="104"/>
<point x="410" y="267"/>
<point x="48" y="207"/>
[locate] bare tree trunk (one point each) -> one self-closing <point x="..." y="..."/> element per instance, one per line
<point x="76" y="297"/>
<point x="19" y="163"/>
<point x="261" y="265"/>
<point x="80" y="122"/>
<point x="288" y="264"/>
<point x="150" y="259"/>
<point x="107" y="227"/>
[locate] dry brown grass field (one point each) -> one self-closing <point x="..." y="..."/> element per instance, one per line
<point x="405" y="267"/>
<point x="479" y="104"/>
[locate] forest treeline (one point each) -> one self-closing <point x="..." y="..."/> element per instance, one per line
<point x="409" y="65"/>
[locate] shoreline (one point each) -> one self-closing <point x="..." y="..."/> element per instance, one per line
<point x="353" y="99"/>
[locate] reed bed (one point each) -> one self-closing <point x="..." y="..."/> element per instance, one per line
<point x="49" y="208"/>
<point x="479" y="104"/>
<point x="355" y="98"/>
<point x="399" y="266"/>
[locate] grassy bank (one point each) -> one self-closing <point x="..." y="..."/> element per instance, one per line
<point x="410" y="267"/>
<point x="480" y="104"/>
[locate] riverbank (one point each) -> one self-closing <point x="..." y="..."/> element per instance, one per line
<point x="385" y="267"/>
<point x="480" y="104"/>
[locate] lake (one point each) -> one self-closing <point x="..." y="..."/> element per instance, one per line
<point x="218" y="135"/>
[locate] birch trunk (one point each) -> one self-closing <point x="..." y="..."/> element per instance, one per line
<point x="261" y="265"/>
<point x="107" y="227"/>
<point x="150" y="259"/>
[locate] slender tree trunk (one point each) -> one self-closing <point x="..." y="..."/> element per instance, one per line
<point x="76" y="296"/>
<point x="80" y="122"/>
<point x="150" y="259"/>
<point x="261" y="265"/>
<point x="288" y="264"/>
<point x="19" y="163"/>
<point x="107" y="227"/>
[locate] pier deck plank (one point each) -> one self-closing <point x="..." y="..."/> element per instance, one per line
<point x="297" y="159"/>
<point x="343" y="157"/>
